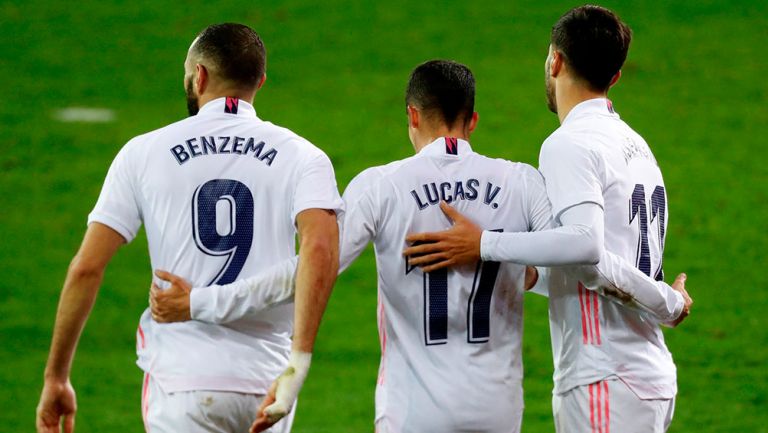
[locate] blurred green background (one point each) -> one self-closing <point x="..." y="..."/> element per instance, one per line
<point x="693" y="86"/>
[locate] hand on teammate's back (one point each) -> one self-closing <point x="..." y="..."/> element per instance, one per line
<point x="171" y="304"/>
<point x="56" y="402"/>
<point x="459" y="245"/>
<point x="679" y="285"/>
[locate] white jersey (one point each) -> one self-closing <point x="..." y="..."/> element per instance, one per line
<point x="451" y="339"/>
<point x="218" y="194"/>
<point x="594" y="157"/>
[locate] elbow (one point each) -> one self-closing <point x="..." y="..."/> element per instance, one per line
<point x="80" y="268"/>
<point x="593" y="253"/>
<point x="594" y="247"/>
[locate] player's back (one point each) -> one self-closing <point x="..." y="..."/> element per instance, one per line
<point x="594" y="337"/>
<point x="218" y="194"/>
<point x="451" y="340"/>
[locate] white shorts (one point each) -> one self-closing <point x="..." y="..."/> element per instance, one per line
<point x="201" y="411"/>
<point x="509" y="424"/>
<point x="610" y="406"/>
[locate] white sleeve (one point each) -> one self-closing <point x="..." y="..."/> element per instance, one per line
<point x="221" y="304"/>
<point x="317" y="187"/>
<point x="572" y="172"/>
<point x="539" y="207"/>
<point x="359" y="226"/>
<point x="618" y="280"/>
<point x="579" y="241"/>
<point x="117" y="206"/>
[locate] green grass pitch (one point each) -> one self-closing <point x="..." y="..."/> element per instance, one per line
<point x="693" y="86"/>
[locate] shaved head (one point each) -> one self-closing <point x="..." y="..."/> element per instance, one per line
<point x="234" y="53"/>
<point x="233" y="57"/>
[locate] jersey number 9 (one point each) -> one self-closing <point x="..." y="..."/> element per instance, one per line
<point x="222" y="224"/>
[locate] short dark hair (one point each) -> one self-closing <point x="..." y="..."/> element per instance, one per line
<point x="236" y="51"/>
<point x="594" y="43"/>
<point x="444" y="88"/>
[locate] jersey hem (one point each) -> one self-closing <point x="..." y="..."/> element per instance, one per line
<point x="197" y="383"/>
<point x="649" y="391"/>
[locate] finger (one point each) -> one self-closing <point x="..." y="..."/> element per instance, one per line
<point x="69" y="423"/>
<point x="450" y="211"/>
<point x="155" y="291"/>
<point x="424" y="237"/>
<point x="426" y="260"/>
<point x="680" y="279"/>
<point x="167" y="276"/>
<point x="418" y="250"/>
<point x="260" y="425"/>
<point x="47" y="425"/>
<point x="436" y="266"/>
<point x="531" y="277"/>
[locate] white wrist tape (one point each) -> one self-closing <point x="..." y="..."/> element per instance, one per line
<point x="288" y="385"/>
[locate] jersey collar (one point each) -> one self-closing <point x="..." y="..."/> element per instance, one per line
<point x="228" y="105"/>
<point x="591" y="107"/>
<point x="450" y="146"/>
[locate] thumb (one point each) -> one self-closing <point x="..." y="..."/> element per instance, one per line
<point x="450" y="212"/>
<point x="175" y="280"/>
<point x="680" y="281"/>
<point x="163" y="275"/>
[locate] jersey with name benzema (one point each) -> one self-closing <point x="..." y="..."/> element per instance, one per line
<point x="594" y="157"/>
<point x="218" y="194"/>
<point x="450" y="339"/>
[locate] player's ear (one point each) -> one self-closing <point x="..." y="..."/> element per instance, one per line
<point x="473" y="121"/>
<point x="201" y="82"/>
<point x="556" y="65"/>
<point x="615" y="79"/>
<point x="261" y="82"/>
<point x="413" y="116"/>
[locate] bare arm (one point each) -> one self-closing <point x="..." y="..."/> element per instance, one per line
<point x="316" y="272"/>
<point x="77" y="297"/>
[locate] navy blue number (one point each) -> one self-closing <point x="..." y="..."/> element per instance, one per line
<point x="436" y="307"/>
<point x="234" y="238"/>
<point x="479" y="308"/>
<point x="639" y="211"/>
<point x="659" y="210"/>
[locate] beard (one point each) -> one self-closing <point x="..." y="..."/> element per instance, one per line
<point x="549" y="84"/>
<point x="193" y="105"/>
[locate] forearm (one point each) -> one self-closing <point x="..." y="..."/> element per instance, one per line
<point x="224" y="304"/>
<point x="315" y="276"/>
<point x="75" y="304"/>
<point x="566" y="245"/>
<point x="616" y="278"/>
<point x="579" y="241"/>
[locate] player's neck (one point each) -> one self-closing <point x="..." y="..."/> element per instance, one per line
<point x="210" y="96"/>
<point x="573" y="95"/>
<point x="428" y="136"/>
